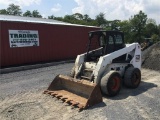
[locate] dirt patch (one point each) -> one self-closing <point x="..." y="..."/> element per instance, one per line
<point x="152" y="58"/>
<point x="31" y="106"/>
<point x="25" y="110"/>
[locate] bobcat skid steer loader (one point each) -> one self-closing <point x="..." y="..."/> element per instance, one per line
<point x="107" y="64"/>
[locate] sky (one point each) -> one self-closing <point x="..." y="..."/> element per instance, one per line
<point x="113" y="9"/>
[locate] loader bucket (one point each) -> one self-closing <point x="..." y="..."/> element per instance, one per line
<point x="77" y="93"/>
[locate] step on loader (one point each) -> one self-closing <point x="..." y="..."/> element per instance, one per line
<point x="107" y="64"/>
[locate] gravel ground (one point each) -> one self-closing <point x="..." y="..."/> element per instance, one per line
<point x="21" y="98"/>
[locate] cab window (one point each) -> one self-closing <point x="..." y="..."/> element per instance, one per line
<point x="102" y="40"/>
<point x="118" y="39"/>
<point x="111" y="41"/>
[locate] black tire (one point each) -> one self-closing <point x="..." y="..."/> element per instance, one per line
<point x="72" y="73"/>
<point x="111" y="83"/>
<point x="132" y="77"/>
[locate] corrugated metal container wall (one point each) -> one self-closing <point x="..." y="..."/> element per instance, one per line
<point x="57" y="42"/>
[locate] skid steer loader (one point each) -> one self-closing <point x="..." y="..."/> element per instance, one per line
<point x="107" y="64"/>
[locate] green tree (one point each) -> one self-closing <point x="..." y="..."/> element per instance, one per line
<point x="86" y="18"/>
<point x="36" y="14"/>
<point x="3" y="11"/>
<point x="150" y="20"/>
<point x="100" y="19"/>
<point x="138" y="23"/>
<point x="155" y="38"/>
<point x="27" y="14"/>
<point x="59" y="18"/>
<point x="14" y="10"/>
<point x="125" y="27"/>
<point x="115" y="24"/>
<point x="69" y="18"/>
<point x="92" y="22"/>
<point x="151" y="29"/>
<point x="78" y="16"/>
<point x="51" y="17"/>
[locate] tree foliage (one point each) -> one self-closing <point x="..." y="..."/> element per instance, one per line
<point x="150" y="29"/>
<point x="135" y="29"/>
<point x="155" y="37"/>
<point x="3" y="11"/>
<point x="101" y="19"/>
<point x="138" y="23"/>
<point x="14" y="10"/>
<point x="150" y="20"/>
<point x="36" y="14"/>
<point x="78" y="16"/>
<point x="125" y="27"/>
<point x="27" y="14"/>
<point x="51" y="17"/>
<point x="86" y="18"/>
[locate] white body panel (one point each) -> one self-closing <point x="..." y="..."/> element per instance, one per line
<point x="105" y="64"/>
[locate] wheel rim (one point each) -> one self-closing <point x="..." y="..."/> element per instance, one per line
<point x="115" y="83"/>
<point x="136" y="78"/>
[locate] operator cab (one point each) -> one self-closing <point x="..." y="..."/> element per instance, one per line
<point x="103" y="42"/>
